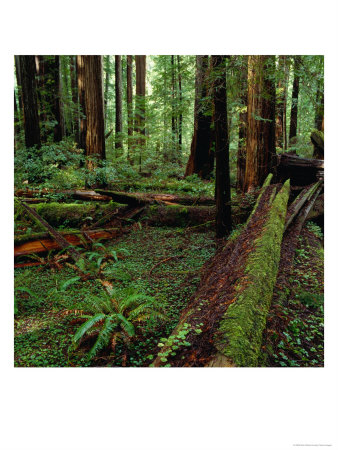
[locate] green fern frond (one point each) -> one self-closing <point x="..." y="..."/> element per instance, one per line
<point x="69" y="282"/>
<point x="104" y="337"/>
<point x="87" y="326"/>
<point x="127" y="326"/>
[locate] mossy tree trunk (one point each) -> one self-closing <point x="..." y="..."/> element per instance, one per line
<point x="140" y="123"/>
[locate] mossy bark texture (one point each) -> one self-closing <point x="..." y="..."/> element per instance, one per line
<point x="240" y="331"/>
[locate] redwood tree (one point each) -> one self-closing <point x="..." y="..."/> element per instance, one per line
<point x="222" y="188"/>
<point x="29" y="100"/>
<point x="118" y="103"/>
<point x="201" y="156"/>
<point x="95" y="139"/>
<point x="260" y="148"/>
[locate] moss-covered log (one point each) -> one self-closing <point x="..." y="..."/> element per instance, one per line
<point x="73" y="214"/>
<point x="224" y="320"/>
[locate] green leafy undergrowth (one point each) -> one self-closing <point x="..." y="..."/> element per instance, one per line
<point x="296" y="322"/>
<point x="159" y="263"/>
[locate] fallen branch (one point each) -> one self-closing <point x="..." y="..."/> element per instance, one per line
<point x="163" y="261"/>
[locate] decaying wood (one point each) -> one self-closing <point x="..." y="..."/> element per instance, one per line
<point x="58" y="238"/>
<point x="298" y="203"/>
<point x="240" y="274"/>
<point x="79" y="194"/>
<point x="43" y="243"/>
<point x="300" y="171"/>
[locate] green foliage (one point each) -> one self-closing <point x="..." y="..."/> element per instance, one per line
<point x="120" y="317"/>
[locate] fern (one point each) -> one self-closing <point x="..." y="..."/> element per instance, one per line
<point x="68" y="283"/>
<point x="87" y="326"/>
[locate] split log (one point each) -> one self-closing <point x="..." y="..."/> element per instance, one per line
<point x="317" y="139"/>
<point x="298" y="203"/>
<point x="41" y="242"/>
<point x="224" y="321"/>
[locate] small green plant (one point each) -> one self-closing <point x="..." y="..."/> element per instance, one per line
<point x="116" y="319"/>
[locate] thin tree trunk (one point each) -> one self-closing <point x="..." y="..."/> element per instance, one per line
<point x="106" y="91"/>
<point x="280" y="103"/>
<point x="30" y="102"/>
<point x="180" y="117"/>
<point x="286" y="88"/>
<point x="95" y="138"/>
<point x="73" y="77"/>
<point x="130" y="103"/>
<point x="118" y="109"/>
<point x="173" y="111"/>
<point x="82" y="101"/>
<point x="140" y="62"/>
<point x="56" y="105"/>
<point x="243" y="119"/>
<point x="294" y="105"/>
<point x="223" y="204"/>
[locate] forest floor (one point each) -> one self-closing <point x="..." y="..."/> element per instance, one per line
<point x="164" y="263"/>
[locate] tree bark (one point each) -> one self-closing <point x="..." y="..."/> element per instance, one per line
<point x="140" y="62"/>
<point x="261" y="151"/>
<point x="222" y="188"/>
<point x="118" y="103"/>
<point x="130" y="103"/>
<point x="82" y="101"/>
<point x="201" y="156"/>
<point x="30" y="102"/>
<point x="294" y="105"/>
<point x="95" y="137"/>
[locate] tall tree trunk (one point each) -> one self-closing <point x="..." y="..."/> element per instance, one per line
<point x="200" y="160"/>
<point x="223" y="204"/>
<point x="261" y="150"/>
<point x="118" y="102"/>
<point x="106" y="91"/>
<point x="294" y="105"/>
<point x="280" y="100"/>
<point x="173" y="111"/>
<point x="180" y="117"/>
<point x="140" y="62"/>
<point x="243" y="119"/>
<point x="285" y="102"/>
<point x="73" y="77"/>
<point x="30" y="102"/>
<point x="95" y="139"/>
<point x="130" y="103"/>
<point x="82" y="101"/>
<point x="57" y="105"/>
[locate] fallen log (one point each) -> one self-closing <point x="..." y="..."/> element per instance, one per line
<point x="79" y="194"/>
<point x="57" y="237"/>
<point x="41" y="242"/>
<point x="139" y="198"/>
<point x="224" y="320"/>
<point x="300" y="171"/>
<point x="73" y="214"/>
